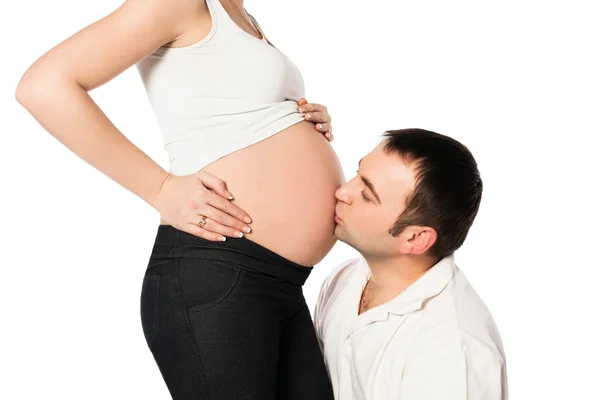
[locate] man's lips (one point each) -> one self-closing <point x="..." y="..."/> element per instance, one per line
<point x="336" y="217"/>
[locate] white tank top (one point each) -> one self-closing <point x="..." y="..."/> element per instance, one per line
<point x="220" y="94"/>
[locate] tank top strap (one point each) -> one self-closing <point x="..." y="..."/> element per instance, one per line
<point x="219" y="15"/>
<point x="258" y="27"/>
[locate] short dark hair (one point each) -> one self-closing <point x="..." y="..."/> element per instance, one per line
<point x="447" y="190"/>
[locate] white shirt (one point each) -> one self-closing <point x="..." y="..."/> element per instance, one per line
<point x="434" y="341"/>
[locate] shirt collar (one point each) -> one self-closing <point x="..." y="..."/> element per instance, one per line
<point x="427" y="286"/>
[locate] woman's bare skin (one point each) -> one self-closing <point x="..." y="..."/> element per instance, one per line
<point x="286" y="183"/>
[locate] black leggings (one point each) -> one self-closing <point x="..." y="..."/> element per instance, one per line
<point x="228" y="320"/>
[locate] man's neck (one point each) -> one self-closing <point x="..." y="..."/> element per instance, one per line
<point x="390" y="276"/>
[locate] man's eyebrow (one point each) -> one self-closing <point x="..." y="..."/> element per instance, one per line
<point x="369" y="184"/>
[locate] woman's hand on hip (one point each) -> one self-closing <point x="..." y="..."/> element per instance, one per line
<point x="186" y="201"/>
<point x="318" y="114"/>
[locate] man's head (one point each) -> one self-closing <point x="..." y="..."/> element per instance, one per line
<point x="416" y="193"/>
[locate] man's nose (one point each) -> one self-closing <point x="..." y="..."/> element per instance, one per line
<point x="343" y="194"/>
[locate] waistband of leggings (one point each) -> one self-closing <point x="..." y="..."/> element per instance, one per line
<point x="174" y="243"/>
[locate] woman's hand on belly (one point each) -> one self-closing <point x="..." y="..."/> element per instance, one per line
<point x="185" y="201"/>
<point x="287" y="183"/>
<point x="317" y="114"/>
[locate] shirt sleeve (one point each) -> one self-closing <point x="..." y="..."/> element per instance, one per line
<point x="452" y="372"/>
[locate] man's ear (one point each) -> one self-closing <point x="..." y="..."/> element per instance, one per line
<point x="416" y="239"/>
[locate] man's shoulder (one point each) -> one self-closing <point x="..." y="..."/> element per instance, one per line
<point x="335" y="280"/>
<point x="473" y="318"/>
<point x="348" y="266"/>
<point x="458" y="320"/>
<point x="344" y="270"/>
<point x="477" y="351"/>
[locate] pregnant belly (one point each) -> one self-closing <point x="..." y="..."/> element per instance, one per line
<point x="286" y="183"/>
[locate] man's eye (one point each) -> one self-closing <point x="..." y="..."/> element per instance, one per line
<point x="365" y="198"/>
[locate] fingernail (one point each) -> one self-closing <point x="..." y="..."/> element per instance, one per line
<point x="248" y="229"/>
<point x="319" y="126"/>
<point x="300" y="109"/>
<point x="229" y="196"/>
<point x="247" y="219"/>
<point x="223" y="238"/>
<point x="240" y="234"/>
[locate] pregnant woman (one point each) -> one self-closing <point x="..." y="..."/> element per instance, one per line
<point x="221" y="304"/>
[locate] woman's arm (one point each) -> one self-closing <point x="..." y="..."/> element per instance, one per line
<point x="54" y="88"/>
<point x="55" y="91"/>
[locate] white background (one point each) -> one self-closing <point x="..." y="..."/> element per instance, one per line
<point x="515" y="81"/>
